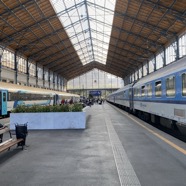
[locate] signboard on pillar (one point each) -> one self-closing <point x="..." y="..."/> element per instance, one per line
<point x="95" y="92"/>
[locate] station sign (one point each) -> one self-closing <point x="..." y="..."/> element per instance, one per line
<point x="95" y="92"/>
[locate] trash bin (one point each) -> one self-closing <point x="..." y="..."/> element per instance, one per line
<point x="21" y="133"/>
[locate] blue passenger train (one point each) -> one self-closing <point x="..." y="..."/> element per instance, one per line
<point x="12" y="95"/>
<point x="159" y="97"/>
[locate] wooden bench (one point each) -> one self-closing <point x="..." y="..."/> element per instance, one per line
<point x="2" y="131"/>
<point x="10" y="142"/>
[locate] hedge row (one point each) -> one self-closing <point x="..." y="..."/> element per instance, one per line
<point x="57" y="108"/>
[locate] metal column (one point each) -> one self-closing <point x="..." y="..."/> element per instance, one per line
<point x="15" y="67"/>
<point x="27" y="71"/>
<point x="1" y="54"/>
<point x="36" y="76"/>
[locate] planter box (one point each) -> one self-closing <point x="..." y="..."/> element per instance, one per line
<point x="50" y="120"/>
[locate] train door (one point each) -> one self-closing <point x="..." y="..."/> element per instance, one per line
<point x="3" y="102"/>
<point x="131" y="102"/>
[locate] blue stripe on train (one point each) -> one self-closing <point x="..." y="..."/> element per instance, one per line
<point x="158" y="101"/>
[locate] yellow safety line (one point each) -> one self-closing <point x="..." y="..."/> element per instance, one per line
<point x="156" y="134"/>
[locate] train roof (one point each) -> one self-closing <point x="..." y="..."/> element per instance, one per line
<point x="169" y="69"/>
<point x="121" y="89"/>
<point x="16" y="88"/>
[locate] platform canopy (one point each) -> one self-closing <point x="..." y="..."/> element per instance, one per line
<point x="71" y="37"/>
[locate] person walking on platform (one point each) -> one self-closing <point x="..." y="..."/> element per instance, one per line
<point x="62" y="101"/>
<point x="71" y="101"/>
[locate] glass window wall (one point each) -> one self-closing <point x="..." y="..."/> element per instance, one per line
<point x="32" y="69"/>
<point x="8" y="59"/>
<point x="89" y="25"/>
<point x="159" y="61"/>
<point x="40" y="72"/>
<point x="145" y="70"/>
<point x="182" y="45"/>
<point x="95" y="79"/>
<point x="170" y="53"/>
<point x="151" y="65"/>
<point x="21" y="64"/>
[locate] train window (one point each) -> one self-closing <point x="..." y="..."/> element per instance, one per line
<point x="124" y="94"/>
<point x="127" y="94"/>
<point x="120" y="95"/>
<point x="11" y="96"/>
<point x="8" y="96"/>
<point x="149" y="90"/>
<point x="158" y="90"/>
<point x="184" y="84"/>
<point x="139" y="91"/>
<point x="22" y="96"/>
<point x="130" y="92"/>
<point x="4" y="97"/>
<point x="135" y="92"/>
<point x="170" y="86"/>
<point x="27" y="96"/>
<point x="143" y="91"/>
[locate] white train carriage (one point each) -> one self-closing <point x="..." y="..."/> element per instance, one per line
<point x="12" y="95"/>
<point x="163" y="94"/>
<point x="159" y="97"/>
<point x="121" y="97"/>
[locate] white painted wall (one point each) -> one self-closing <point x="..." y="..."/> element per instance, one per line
<point x="49" y="120"/>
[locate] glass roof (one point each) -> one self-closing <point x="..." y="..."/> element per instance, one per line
<point x="88" y="24"/>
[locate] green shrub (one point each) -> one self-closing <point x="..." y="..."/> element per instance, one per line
<point x="56" y="108"/>
<point x="76" y="107"/>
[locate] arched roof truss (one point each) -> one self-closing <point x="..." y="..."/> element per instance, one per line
<point x="113" y="36"/>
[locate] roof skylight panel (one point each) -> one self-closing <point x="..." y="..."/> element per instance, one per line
<point x="76" y="17"/>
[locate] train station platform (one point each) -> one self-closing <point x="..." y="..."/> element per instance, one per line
<point x="115" y="149"/>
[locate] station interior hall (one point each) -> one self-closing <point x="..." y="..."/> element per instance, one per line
<point x="82" y="46"/>
<point x="93" y="92"/>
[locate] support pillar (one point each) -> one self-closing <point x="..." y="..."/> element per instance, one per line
<point x="27" y="71"/>
<point x="15" y="68"/>
<point x="36" y="76"/>
<point x="49" y="78"/>
<point x="164" y="57"/>
<point x="57" y="82"/>
<point x="155" y="62"/>
<point x="147" y="66"/>
<point x="177" y="48"/>
<point x="53" y="81"/>
<point x="1" y="54"/>
<point x="43" y="77"/>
